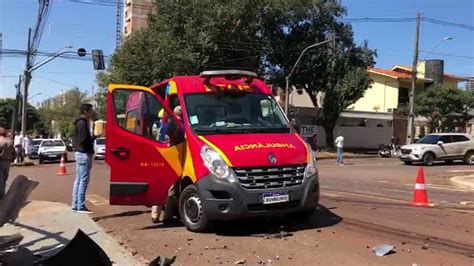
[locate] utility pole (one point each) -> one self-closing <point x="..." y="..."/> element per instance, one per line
<point x="16" y="107"/>
<point x="26" y="83"/>
<point x="411" y="115"/>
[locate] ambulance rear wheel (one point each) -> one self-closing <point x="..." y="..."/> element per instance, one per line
<point x="191" y="210"/>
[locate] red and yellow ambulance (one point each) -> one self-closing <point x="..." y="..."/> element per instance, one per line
<point x="232" y="153"/>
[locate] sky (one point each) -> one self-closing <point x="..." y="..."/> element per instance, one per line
<point x="93" y="27"/>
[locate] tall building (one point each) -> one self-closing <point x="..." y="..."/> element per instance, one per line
<point x="136" y="15"/>
<point x="470" y="84"/>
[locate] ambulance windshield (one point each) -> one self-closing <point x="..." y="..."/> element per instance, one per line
<point x="230" y="112"/>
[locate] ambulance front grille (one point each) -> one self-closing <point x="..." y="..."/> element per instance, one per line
<point x="270" y="177"/>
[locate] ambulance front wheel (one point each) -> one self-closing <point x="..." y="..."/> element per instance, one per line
<point x="191" y="210"/>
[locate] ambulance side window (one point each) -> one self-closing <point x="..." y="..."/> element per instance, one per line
<point x="138" y="112"/>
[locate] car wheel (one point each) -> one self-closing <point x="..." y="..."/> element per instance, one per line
<point x="65" y="159"/>
<point x="408" y="162"/>
<point x="428" y="159"/>
<point x="191" y="210"/>
<point x="469" y="158"/>
<point x="40" y="160"/>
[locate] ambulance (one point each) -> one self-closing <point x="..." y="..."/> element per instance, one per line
<point x="231" y="153"/>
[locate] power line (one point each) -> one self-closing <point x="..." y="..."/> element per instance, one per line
<point x="407" y="19"/>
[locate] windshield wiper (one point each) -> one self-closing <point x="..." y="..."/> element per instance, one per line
<point x="218" y="130"/>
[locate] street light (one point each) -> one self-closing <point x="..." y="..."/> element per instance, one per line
<point x="34" y="95"/>
<point x="27" y="77"/>
<point x="411" y="116"/>
<point x="436" y="46"/>
<point x="287" y="79"/>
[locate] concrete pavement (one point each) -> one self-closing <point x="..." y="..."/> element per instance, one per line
<point x="49" y="226"/>
<point x="365" y="203"/>
<point x="464" y="181"/>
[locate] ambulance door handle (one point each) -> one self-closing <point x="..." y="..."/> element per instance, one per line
<point x="120" y="152"/>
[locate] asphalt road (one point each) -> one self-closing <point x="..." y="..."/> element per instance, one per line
<point x="364" y="203"/>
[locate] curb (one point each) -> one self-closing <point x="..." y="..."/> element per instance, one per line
<point x="466" y="181"/>
<point x="45" y="223"/>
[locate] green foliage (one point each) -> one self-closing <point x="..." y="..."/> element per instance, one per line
<point x="64" y="109"/>
<point x="34" y="123"/>
<point x="446" y="108"/>
<point x="266" y="36"/>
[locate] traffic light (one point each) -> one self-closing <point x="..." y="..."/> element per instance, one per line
<point x="98" y="59"/>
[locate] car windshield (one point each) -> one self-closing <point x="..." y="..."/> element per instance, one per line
<point x="52" y="143"/>
<point x="100" y="141"/>
<point x="231" y="112"/>
<point x="430" y="139"/>
<point x="36" y="142"/>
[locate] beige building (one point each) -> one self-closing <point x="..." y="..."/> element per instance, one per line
<point x="136" y="15"/>
<point x="374" y="118"/>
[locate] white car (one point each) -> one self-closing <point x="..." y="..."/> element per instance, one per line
<point x="99" y="148"/>
<point x="51" y="150"/>
<point x="440" y="147"/>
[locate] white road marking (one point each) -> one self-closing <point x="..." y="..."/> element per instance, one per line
<point x="460" y="171"/>
<point x="97" y="200"/>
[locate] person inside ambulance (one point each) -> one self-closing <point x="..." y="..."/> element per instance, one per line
<point x="174" y="131"/>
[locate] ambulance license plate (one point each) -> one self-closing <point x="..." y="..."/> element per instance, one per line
<point x="270" y="198"/>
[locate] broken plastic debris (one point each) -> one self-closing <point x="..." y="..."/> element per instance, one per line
<point x="242" y="261"/>
<point x="382" y="250"/>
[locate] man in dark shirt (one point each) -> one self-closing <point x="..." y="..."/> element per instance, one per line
<point x="84" y="151"/>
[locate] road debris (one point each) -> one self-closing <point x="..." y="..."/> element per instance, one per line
<point x="382" y="250"/>
<point x="162" y="261"/>
<point x="280" y="235"/>
<point x="242" y="261"/>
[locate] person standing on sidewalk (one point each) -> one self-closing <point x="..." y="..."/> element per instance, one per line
<point x="27" y="146"/>
<point x="7" y="155"/>
<point x="339" y="146"/>
<point x="18" y="142"/>
<point x="84" y="151"/>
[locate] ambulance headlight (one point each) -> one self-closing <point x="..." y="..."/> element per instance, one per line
<point x="214" y="163"/>
<point x="311" y="166"/>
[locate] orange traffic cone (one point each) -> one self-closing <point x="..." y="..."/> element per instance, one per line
<point x="420" y="197"/>
<point x="62" y="167"/>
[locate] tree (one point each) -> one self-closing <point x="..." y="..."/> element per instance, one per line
<point x="64" y="109"/>
<point x="446" y="108"/>
<point x="34" y="122"/>
<point x="192" y="36"/>
<point x="339" y="72"/>
<point x="264" y="36"/>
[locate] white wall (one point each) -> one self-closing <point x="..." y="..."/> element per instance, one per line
<point x="359" y="137"/>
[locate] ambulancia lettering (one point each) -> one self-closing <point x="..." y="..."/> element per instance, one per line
<point x="263" y="146"/>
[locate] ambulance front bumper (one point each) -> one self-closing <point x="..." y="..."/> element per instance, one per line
<point x="223" y="200"/>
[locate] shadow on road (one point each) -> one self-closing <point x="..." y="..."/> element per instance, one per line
<point x="436" y="164"/>
<point x="260" y="227"/>
<point x="121" y="214"/>
<point x="268" y="226"/>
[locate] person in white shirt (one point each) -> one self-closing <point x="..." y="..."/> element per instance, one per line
<point x="27" y="146"/>
<point x="339" y="146"/>
<point x="18" y="143"/>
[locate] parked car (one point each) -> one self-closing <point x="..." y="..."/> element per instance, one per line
<point x="440" y="147"/>
<point x="51" y="150"/>
<point x="99" y="148"/>
<point x="34" y="146"/>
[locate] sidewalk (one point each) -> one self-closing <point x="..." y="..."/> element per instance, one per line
<point x="466" y="181"/>
<point x="45" y="225"/>
<point x="325" y="155"/>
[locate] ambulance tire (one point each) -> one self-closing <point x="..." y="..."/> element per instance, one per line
<point x="191" y="210"/>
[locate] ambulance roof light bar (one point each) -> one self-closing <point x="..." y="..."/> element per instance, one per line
<point x="228" y="74"/>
